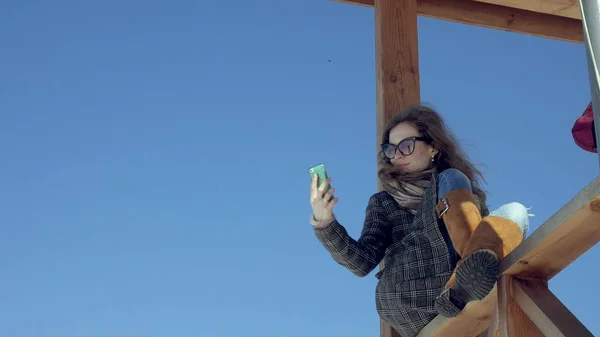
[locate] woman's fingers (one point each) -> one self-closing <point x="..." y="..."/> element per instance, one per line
<point x="317" y="193"/>
<point x="313" y="187"/>
<point x="329" y="194"/>
<point x="324" y="186"/>
<point x="331" y="204"/>
<point x="329" y="200"/>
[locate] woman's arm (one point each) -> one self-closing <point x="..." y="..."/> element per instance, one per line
<point x="363" y="255"/>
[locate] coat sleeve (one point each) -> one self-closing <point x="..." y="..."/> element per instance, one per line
<point x="363" y="255"/>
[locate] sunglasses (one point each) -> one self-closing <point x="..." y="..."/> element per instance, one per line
<point x="406" y="147"/>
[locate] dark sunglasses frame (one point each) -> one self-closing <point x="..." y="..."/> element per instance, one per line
<point x="397" y="147"/>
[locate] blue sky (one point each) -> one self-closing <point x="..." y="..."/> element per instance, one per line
<point x="156" y="154"/>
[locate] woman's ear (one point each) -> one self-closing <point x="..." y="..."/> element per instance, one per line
<point x="433" y="151"/>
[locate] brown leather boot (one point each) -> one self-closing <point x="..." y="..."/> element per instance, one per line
<point x="461" y="216"/>
<point x="476" y="274"/>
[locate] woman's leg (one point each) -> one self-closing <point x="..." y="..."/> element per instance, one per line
<point x="461" y="216"/>
<point x="496" y="236"/>
<point x="452" y="179"/>
<point x="515" y="212"/>
<point x="457" y="207"/>
<point x="455" y="181"/>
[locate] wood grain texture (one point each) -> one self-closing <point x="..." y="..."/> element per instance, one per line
<point x="546" y="311"/>
<point x="564" y="237"/>
<point x="513" y="322"/>
<point x="495" y="16"/>
<point x="397" y="69"/>
<point x="397" y="58"/>
<point x="473" y="321"/>
<point x="565" y="8"/>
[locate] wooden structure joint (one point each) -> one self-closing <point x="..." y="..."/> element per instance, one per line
<point x="496" y="16"/>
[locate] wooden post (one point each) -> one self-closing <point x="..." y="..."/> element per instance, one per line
<point x="397" y="66"/>
<point x="396" y="57"/>
<point x="513" y="322"/>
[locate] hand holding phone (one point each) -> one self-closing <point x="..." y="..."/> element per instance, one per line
<point x="321" y="194"/>
<point x="321" y="175"/>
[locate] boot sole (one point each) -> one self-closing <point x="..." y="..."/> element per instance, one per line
<point x="475" y="278"/>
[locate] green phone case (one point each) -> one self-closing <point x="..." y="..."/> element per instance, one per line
<point x="320" y="171"/>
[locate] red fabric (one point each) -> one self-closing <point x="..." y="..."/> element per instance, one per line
<point x="583" y="130"/>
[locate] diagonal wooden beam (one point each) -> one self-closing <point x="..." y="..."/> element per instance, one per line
<point x="474" y="320"/>
<point x="569" y="233"/>
<point x="497" y="17"/>
<point x="546" y="311"/>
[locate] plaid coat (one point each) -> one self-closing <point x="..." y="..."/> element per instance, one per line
<point x="415" y="250"/>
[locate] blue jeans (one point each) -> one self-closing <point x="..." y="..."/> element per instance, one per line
<point x="451" y="179"/>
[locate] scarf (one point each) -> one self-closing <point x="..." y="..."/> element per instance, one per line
<point x="409" y="193"/>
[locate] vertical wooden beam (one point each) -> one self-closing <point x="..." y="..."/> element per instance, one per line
<point x="397" y="58"/>
<point x="513" y="322"/>
<point x="493" y="330"/>
<point x="397" y="67"/>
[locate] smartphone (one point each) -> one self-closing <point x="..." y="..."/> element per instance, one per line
<point x="321" y="172"/>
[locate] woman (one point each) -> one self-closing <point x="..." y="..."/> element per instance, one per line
<point x="430" y="225"/>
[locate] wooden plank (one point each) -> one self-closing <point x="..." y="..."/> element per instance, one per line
<point x="397" y="70"/>
<point x="546" y="311"/>
<point x="497" y="17"/>
<point x="474" y="320"/>
<point x="513" y="322"/>
<point x="569" y="233"/>
<point x="366" y="3"/>
<point x="493" y="330"/>
<point x="566" y="8"/>
<point x="397" y="58"/>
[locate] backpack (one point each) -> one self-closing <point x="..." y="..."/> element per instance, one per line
<point x="583" y="130"/>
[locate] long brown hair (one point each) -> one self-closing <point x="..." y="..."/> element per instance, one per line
<point x="431" y="125"/>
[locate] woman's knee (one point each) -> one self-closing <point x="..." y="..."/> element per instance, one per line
<point x="452" y="179"/>
<point x="515" y="212"/>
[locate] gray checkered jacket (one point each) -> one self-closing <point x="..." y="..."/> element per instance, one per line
<point x="414" y="249"/>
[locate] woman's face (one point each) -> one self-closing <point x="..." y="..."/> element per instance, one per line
<point x="417" y="154"/>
